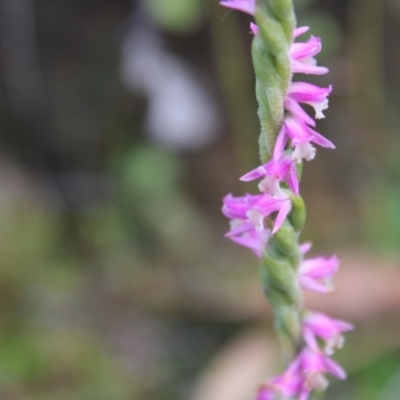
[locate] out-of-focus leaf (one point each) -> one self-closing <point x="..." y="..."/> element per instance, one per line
<point x="175" y="15"/>
<point x="391" y="391"/>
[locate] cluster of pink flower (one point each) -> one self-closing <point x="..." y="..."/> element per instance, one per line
<point x="247" y="215"/>
<point x="306" y="372"/>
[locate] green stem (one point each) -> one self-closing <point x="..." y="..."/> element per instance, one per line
<point x="270" y="52"/>
<point x="282" y="257"/>
<point x="280" y="264"/>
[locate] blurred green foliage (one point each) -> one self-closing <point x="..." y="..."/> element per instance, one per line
<point x="180" y="16"/>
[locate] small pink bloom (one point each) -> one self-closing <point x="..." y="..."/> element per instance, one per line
<point x="326" y="328"/>
<point x="301" y="137"/>
<point x="254" y="208"/>
<point x="302" y="57"/>
<point x="283" y="386"/>
<point x="316" y="274"/>
<point x="273" y="173"/>
<point x="314" y="365"/>
<point x="315" y="96"/>
<point x="237" y="207"/>
<point x="267" y="205"/>
<point x="244" y="234"/>
<point x="290" y="382"/>
<point x="246" y="6"/>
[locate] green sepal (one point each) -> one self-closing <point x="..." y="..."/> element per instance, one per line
<point x="298" y="214"/>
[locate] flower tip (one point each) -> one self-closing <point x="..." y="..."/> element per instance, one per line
<point x="246" y="6"/>
<point x="254" y="28"/>
<point x="299" y="31"/>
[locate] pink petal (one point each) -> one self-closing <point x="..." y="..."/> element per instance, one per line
<point x="280" y="144"/>
<point x="293" y="180"/>
<point x="247" y="6"/>
<point x="306" y="92"/>
<point x="304" y="395"/>
<point x="319" y="267"/>
<point x="251" y="243"/>
<point x="305" y="247"/>
<point x="253" y="28"/>
<point x="297" y="130"/>
<point x="299" y="31"/>
<point x="311" y="284"/>
<point x="256" y="173"/>
<point x="282" y="214"/>
<point x="242" y="228"/>
<point x="299" y="67"/>
<point x="294" y="107"/>
<point x="310" y="338"/>
<point x="321" y="140"/>
<point x="305" y="50"/>
<point x="334" y="368"/>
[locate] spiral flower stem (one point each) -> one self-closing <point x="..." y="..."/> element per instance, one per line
<point x="270" y="223"/>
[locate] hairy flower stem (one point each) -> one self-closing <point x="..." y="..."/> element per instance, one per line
<point x="270" y="52"/>
<point x="279" y="270"/>
<point x="281" y="259"/>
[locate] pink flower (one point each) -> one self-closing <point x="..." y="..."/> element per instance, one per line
<point x="305" y="374"/>
<point x="315" y="274"/>
<point x="254" y="208"/>
<point x="273" y="173"/>
<point x="314" y="365"/>
<point x="315" y="96"/>
<point x="302" y="55"/>
<point x="301" y="137"/>
<point x="326" y="328"/>
<point x="246" y="6"/>
<point x="265" y="393"/>
<point x="244" y="234"/>
<point x="283" y="386"/>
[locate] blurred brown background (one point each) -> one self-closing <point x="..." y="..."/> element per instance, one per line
<point x="123" y="123"/>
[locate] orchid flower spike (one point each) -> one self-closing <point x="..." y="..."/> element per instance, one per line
<point x="270" y="223"/>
